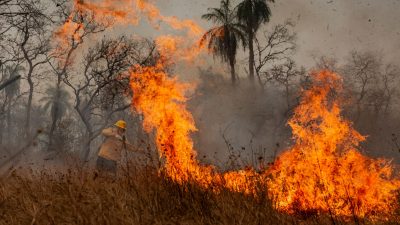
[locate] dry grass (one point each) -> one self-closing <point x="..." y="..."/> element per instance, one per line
<point x="143" y="197"/>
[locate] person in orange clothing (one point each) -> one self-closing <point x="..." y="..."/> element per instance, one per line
<point x="111" y="150"/>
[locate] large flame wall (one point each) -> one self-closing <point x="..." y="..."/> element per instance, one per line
<point x="322" y="172"/>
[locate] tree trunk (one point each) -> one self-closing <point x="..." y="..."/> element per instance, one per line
<point x="251" y="56"/>
<point x="287" y="96"/>
<point x="51" y="134"/>
<point x="28" y="109"/>
<point x="233" y="73"/>
<point x="54" y="115"/>
<point x="88" y="143"/>
<point x="1" y="131"/>
<point x="52" y="128"/>
<point x="90" y="134"/>
<point x="9" y="129"/>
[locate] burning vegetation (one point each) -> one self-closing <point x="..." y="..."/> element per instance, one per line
<point x="324" y="170"/>
<point x="322" y="174"/>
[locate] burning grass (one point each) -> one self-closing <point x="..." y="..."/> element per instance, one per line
<point x="143" y="197"/>
<point x="324" y="170"/>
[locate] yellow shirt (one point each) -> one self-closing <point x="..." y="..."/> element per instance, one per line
<point x="111" y="148"/>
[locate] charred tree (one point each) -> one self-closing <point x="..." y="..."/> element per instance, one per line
<point x="103" y="89"/>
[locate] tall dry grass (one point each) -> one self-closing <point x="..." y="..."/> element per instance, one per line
<point x="140" y="196"/>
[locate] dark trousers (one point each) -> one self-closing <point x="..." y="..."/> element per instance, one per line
<point x="107" y="165"/>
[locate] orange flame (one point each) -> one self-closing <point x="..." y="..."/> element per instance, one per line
<point x="153" y="14"/>
<point x="108" y="12"/>
<point x="322" y="172"/>
<point x="178" y="47"/>
<point x="173" y="123"/>
<point x="103" y="13"/>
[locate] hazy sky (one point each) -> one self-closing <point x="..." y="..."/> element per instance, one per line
<point x="324" y="27"/>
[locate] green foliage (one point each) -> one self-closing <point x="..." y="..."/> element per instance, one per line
<point x="224" y="39"/>
<point x="253" y="13"/>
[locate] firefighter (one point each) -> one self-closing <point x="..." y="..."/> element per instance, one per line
<point x="111" y="150"/>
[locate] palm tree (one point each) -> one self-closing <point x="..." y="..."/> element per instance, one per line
<point x="223" y="40"/>
<point x="253" y="13"/>
<point x="57" y="102"/>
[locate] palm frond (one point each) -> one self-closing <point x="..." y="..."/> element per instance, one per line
<point x="223" y="40"/>
<point x="215" y="15"/>
<point x="56" y="99"/>
<point x="253" y="13"/>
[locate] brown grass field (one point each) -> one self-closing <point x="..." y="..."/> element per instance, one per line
<point x="140" y="196"/>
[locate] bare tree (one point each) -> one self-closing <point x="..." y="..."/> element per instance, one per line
<point x="390" y="79"/>
<point x="103" y="89"/>
<point x="32" y="40"/>
<point x="275" y="46"/>
<point x="10" y="8"/>
<point x="380" y="97"/>
<point x="285" y="74"/>
<point x="326" y="63"/>
<point x="61" y="58"/>
<point x="362" y="72"/>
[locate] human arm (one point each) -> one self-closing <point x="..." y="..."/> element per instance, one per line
<point x="111" y="132"/>
<point x="129" y="147"/>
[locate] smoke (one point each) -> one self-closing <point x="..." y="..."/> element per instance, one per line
<point x="324" y="27"/>
<point x="334" y="27"/>
<point x="248" y="118"/>
<point x="242" y="119"/>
